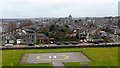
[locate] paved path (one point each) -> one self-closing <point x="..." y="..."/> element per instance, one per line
<point x="58" y="65"/>
<point x="24" y="59"/>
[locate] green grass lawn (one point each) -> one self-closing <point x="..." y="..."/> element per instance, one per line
<point x="102" y="56"/>
<point x="0" y="58"/>
<point x="99" y="56"/>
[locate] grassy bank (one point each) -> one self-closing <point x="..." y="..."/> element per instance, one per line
<point x="99" y="56"/>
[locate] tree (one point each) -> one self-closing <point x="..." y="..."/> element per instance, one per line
<point x="11" y="26"/>
<point x="25" y="23"/>
<point x="77" y="36"/>
<point x="52" y="27"/>
<point x="66" y="26"/>
<point x="80" y="20"/>
<point x="46" y="33"/>
<point x="76" y="21"/>
<point x="62" y="30"/>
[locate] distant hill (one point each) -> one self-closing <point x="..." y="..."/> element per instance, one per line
<point x="8" y="20"/>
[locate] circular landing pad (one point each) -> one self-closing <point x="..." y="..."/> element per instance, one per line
<point x="52" y="57"/>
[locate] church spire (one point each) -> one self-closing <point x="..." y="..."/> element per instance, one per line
<point x="70" y="18"/>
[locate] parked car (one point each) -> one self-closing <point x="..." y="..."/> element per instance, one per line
<point x="81" y="41"/>
<point x="58" y="43"/>
<point x="37" y="46"/>
<point x="9" y="45"/>
<point x="74" y="43"/>
<point x="46" y="45"/>
<point x="66" y="43"/>
<point x="31" y="45"/>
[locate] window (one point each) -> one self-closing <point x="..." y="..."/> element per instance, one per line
<point x="32" y="40"/>
<point x="30" y="36"/>
<point x="24" y="40"/>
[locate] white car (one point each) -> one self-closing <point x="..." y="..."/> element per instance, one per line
<point x="37" y="46"/>
<point x="9" y="45"/>
<point x="45" y="45"/>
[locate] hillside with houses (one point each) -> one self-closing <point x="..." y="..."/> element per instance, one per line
<point x="60" y="30"/>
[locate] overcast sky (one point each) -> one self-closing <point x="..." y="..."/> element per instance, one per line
<point x="57" y="8"/>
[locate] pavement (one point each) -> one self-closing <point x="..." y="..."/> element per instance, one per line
<point x="58" y="65"/>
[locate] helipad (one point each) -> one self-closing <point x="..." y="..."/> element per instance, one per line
<point x="54" y="57"/>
